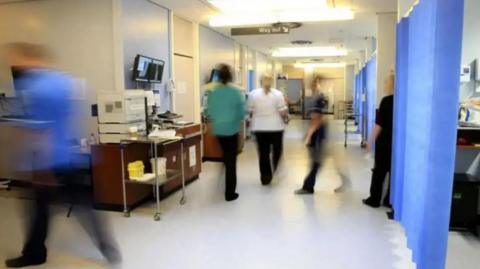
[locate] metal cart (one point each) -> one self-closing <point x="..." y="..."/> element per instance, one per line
<point x="348" y="115"/>
<point x="349" y="118"/>
<point x="158" y="180"/>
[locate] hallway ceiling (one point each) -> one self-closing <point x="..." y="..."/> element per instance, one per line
<point x="348" y="34"/>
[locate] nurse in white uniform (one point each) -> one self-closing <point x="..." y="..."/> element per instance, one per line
<point x="268" y="110"/>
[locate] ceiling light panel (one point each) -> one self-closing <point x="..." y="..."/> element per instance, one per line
<point x="246" y="18"/>
<point x="319" y="65"/>
<point x="266" y="5"/>
<point x="255" y="12"/>
<point x="299" y="52"/>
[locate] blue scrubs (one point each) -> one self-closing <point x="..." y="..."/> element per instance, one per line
<point x="47" y="96"/>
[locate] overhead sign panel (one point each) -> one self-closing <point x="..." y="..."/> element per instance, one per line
<point x="268" y="30"/>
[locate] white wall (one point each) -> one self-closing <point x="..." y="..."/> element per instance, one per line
<point x="386" y="49"/>
<point x="214" y="49"/>
<point x="262" y="64"/>
<point x="471" y="45"/>
<point x="349" y="82"/>
<point x="145" y="31"/>
<point x="404" y="7"/>
<point x="80" y="34"/>
<point x="185" y="69"/>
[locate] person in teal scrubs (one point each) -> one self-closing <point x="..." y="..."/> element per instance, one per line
<point x="226" y="111"/>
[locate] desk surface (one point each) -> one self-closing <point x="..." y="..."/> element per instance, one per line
<point x="469" y="147"/>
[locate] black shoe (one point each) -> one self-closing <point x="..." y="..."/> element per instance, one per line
<point x="391" y="215"/>
<point x="23" y="262"/>
<point x="369" y="203"/>
<point x="303" y="191"/>
<point x="266" y="180"/>
<point x="111" y="253"/>
<point x="232" y="197"/>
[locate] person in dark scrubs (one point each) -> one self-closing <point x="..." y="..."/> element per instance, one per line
<point x="382" y="139"/>
<point x="315" y="142"/>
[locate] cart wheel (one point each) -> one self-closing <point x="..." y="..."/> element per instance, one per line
<point x="126" y="214"/>
<point x="156" y="217"/>
<point x="183" y="201"/>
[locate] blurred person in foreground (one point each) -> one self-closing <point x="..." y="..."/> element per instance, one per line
<point x="48" y="97"/>
<point x="226" y="110"/>
<point x="268" y="111"/>
<point x="381" y="140"/>
<point x="319" y="149"/>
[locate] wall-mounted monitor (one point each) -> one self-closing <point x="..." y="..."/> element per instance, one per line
<point x="476" y="70"/>
<point x="140" y="68"/>
<point x="147" y="69"/>
<point x="155" y="71"/>
<point x="214" y="75"/>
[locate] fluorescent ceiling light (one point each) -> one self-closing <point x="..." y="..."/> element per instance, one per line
<point x="267" y="5"/>
<point x="309" y="52"/>
<point x="319" y="65"/>
<point x="239" y="18"/>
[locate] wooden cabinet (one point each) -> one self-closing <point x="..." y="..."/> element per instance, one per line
<point x="211" y="149"/>
<point x="107" y="174"/>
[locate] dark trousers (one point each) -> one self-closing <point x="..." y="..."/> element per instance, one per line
<point x="35" y="248"/>
<point x="380" y="172"/>
<point x="229" y="145"/>
<point x="316" y="156"/>
<point x="270" y="149"/>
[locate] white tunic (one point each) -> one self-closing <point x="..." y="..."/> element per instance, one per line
<point x="265" y="109"/>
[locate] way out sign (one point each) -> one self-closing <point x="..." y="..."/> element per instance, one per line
<point x="269" y="30"/>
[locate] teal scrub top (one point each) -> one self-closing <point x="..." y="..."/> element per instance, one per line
<point x="226" y="110"/>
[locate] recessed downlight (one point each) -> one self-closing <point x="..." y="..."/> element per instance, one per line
<point x="290" y="25"/>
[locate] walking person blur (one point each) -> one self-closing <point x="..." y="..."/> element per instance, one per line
<point x="315" y="140"/>
<point x="268" y="111"/>
<point x="319" y="148"/>
<point x="226" y="111"/>
<point x="48" y="102"/>
<point x="381" y="140"/>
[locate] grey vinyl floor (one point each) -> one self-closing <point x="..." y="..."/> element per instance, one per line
<point x="267" y="227"/>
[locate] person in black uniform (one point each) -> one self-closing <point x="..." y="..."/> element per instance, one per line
<point x="382" y="138"/>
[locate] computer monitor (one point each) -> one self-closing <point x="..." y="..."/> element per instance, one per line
<point x="141" y="68"/>
<point x="214" y="75"/>
<point x="17" y="74"/>
<point x="156" y="71"/>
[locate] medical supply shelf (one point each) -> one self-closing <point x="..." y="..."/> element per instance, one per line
<point x="158" y="180"/>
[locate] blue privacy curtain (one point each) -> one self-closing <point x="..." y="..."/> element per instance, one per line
<point x="364" y="103"/>
<point x="366" y="90"/>
<point x="360" y="104"/>
<point x="371" y="87"/>
<point x="398" y="155"/>
<point x="357" y="101"/>
<point x="425" y="127"/>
